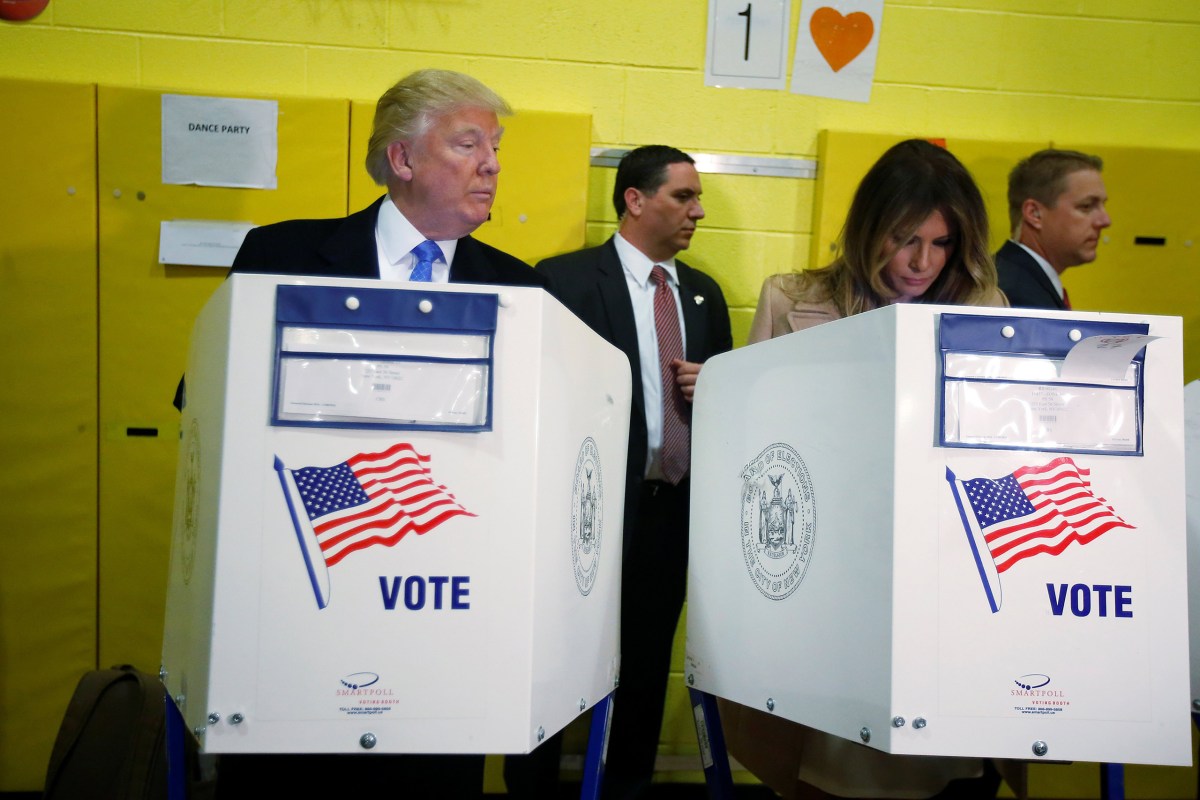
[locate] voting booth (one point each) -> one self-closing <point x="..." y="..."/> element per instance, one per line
<point x="949" y="531"/>
<point x="397" y="521"/>
<point x="1191" y="413"/>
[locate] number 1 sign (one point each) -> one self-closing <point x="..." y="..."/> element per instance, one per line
<point x="747" y="44"/>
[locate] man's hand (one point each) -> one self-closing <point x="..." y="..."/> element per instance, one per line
<point x="686" y="373"/>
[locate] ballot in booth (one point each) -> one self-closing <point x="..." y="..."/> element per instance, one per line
<point x="398" y="519"/>
<point x="949" y="531"/>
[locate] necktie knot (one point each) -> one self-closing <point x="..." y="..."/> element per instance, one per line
<point x="658" y="275"/>
<point x="426" y="252"/>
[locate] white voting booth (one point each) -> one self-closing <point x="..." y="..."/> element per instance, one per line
<point x="1191" y="412"/>
<point x="398" y="518"/>
<point x="949" y="531"/>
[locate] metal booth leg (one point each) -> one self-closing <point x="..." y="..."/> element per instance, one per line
<point x="1112" y="781"/>
<point x="597" y="750"/>
<point x="711" y="738"/>
<point x="176" y="766"/>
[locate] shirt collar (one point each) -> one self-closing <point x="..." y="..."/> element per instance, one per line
<point x="397" y="236"/>
<point x="638" y="265"/>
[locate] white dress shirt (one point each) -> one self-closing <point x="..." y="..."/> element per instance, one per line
<point x="395" y="237"/>
<point x="637" y="269"/>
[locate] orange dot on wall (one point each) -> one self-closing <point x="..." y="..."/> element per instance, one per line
<point x="19" y="10"/>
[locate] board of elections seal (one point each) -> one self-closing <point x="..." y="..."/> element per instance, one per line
<point x="779" y="520"/>
<point x="587" y="516"/>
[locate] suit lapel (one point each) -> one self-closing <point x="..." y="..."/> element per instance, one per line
<point x="695" y="320"/>
<point x="351" y="250"/>
<point x="1034" y="272"/>
<point x="618" y="308"/>
<point x="469" y="265"/>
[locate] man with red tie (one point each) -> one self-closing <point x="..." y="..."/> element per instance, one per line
<point x="1056" y="204"/>
<point x="668" y="318"/>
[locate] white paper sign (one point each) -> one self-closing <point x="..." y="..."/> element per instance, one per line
<point x="1041" y="415"/>
<point x="219" y="141"/>
<point x="200" y="243"/>
<point x="836" y="45"/>
<point x="747" y="44"/>
<point x="414" y="392"/>
<point x="1103" y="358"/>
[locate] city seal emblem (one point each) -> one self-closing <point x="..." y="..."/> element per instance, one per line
<point x="587" y="516"/>
<point x="779" y="520"/>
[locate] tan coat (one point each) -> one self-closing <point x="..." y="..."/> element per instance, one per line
<point x="792" y="758"/>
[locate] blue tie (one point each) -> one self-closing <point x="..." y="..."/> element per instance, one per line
<point x="426" y="252"/>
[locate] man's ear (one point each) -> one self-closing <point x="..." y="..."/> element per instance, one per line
<point x="1031" y="214"/>
<point x="633" y="202"/>
<point x="399" y="159"/>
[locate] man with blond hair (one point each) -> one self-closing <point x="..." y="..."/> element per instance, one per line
<point x="434" y="146"/>
<point x="1056" y="208"/>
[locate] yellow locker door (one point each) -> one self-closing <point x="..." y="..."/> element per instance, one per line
<point x="47" y="415"/>
<point x="541" y="203"/>
<point x="146" y="314"/>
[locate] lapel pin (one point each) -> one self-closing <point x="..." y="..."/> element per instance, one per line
<point x="699" y="299"/>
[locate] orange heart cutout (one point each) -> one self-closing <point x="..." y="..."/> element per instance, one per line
<point x="840" y="39"/>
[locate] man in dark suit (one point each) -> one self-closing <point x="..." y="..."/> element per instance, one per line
<point x="633" y="292"/>
<point x="434" y="146"/>
<point x="1056" y="207"/>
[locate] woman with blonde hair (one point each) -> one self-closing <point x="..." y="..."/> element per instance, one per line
<point x="917" y="231"/>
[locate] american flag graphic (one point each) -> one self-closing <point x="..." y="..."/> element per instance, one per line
<point x="369" y="499"/>
<point x="1029" y="512"/>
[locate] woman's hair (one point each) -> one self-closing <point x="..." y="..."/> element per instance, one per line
<point x="908" y="183"/>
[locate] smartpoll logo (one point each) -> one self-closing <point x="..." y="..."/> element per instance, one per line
<point x="1034" y="696"/>
<point x="1036" y="510"/>
<point x="367" y="500"/>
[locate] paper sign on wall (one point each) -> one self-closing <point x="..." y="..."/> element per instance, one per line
<point x="747" y="44"/>
<point x="219" y="141"/>
<point x="836" y="46"/>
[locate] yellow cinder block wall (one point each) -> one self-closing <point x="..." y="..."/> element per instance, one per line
<point x="1120" y="72"/>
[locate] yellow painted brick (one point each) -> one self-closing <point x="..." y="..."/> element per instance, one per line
<point x="596" y="89"/>
<point x="45" y="54"/>
<point x="1099" y="58"/>
<point x="601" y="181"/>
<point x="223" y="67"/>
<point x="1042" y="118"/>
<point x="739" y="323"/>
<point x="191" y="17"/>
<point x="598" y="233"/>
<point x="355" y="23"/>
<point x="758" y="203"/>
<point x="367" y="73"/>
<point x="899" y="110"/>
<point x="741" y="260"/>
<point x="676" y="108"/>
<point x="942" y="48"/>
<point x="571" y="30"/>
<point x="1158" y="10"/>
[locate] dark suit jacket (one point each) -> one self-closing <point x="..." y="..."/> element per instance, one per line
<point x="592" y="284"/>
<point x="345" y="247"/>
<point x="1024" y="281"/>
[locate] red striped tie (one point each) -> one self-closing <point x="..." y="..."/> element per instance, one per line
<point x="676" y="453"/>
<point x="1066" y="299"/>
